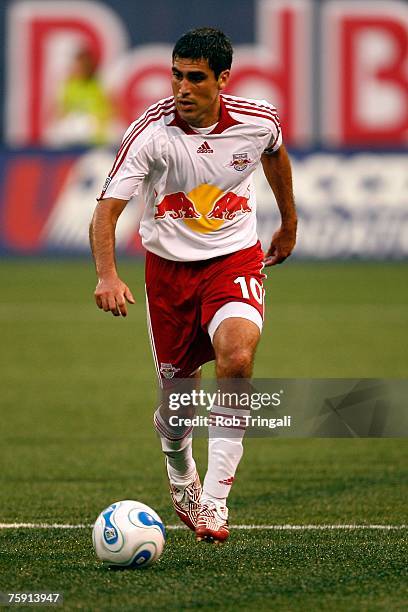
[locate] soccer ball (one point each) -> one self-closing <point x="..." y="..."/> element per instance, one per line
<point x="128" y="534"/>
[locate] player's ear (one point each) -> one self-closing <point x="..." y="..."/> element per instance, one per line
<point x="223" y="79"/>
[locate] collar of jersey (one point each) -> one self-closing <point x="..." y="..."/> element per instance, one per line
<point x="225" y="121"/>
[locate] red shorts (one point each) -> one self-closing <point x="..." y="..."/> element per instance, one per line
<point x="183" y="297"/>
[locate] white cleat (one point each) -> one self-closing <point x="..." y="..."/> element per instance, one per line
<point x="212" y="523"/>
<point x="186" y="501"/>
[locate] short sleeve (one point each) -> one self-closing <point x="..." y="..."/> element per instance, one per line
<point x="130" y="168"/>
<point x="276" y="133"/>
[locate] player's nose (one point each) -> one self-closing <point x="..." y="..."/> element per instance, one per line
<point x="184" y="87"/>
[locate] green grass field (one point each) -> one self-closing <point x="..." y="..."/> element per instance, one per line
<point x="77" y="396"/>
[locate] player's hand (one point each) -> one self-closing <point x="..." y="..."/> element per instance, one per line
<point x="283" y="243"/>
<point x="111" y="295"/>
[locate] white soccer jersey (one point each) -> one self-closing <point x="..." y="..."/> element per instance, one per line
<point x="197" y="187"/>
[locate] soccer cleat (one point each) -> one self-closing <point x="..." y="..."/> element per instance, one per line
<point x="186" y="501"/>
<point x="212" y="523"/>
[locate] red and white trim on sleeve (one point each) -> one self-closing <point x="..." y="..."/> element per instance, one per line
<point x="254" y="111"/>
<point x="155" y="113"/>
<point x="248" y="101"/>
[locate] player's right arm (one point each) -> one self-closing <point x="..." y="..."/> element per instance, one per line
<point x="131" y="166"/>
<point x="135" y="158"/>
<point x="111" y="292"/>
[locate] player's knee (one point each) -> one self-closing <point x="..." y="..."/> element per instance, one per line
<point x="236" y="363"/>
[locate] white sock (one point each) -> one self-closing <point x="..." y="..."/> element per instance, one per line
<point x="177" y="445"/>
<point x="224" y="452"/>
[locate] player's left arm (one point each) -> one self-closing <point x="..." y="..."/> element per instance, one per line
<point x="278" y="173"/>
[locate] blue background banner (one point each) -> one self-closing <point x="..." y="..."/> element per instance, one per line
<point x="335" y="70"/>
<point x="350" y="205"/>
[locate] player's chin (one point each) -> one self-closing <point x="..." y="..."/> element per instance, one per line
<point x="187" y="111"/>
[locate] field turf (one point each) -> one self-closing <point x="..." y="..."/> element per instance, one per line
<point x="77" y="394"/>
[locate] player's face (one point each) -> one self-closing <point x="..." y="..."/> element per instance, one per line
<point x="196" y="91"/>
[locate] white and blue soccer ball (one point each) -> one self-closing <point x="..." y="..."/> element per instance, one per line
<point x="128" y="534"/>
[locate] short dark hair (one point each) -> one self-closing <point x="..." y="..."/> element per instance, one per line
<point x="206" y="43"/>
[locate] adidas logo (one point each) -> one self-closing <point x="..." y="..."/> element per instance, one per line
<point x="205" y="148"/>
<point x="227" y="481"/>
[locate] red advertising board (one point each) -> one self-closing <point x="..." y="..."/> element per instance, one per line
<point x="336" y="70"/>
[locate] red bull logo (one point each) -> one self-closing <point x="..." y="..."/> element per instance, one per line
<point x="240" y="161"/>
<point x="204" y="209"/>
<point x="177" y="206"/>
<point x="228" y="206"/>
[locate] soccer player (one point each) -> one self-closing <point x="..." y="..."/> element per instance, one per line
<point x="192" y="157"/>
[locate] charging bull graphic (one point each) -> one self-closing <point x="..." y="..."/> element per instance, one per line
<point x="204" y="209"/>
<point x="228" y="206"/>
<point x="177" y="206"/>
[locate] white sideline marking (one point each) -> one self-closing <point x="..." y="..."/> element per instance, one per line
<point x="242" y="527"/>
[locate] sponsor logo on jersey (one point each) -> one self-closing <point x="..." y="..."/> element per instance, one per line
<point x="240" y="161"/>
<point x="168" y="370"/>
<point x="228" y="206"/>
<point x="205" y="148"/>
<point x="177" y="206"/>
<point x="204" y="209"/>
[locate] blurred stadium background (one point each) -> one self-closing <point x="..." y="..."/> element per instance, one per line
<point x="336" y="70"/>
<point x="78" y="386"/>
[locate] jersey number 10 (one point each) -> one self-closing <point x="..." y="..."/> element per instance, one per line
<point x="254" y="285"/>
